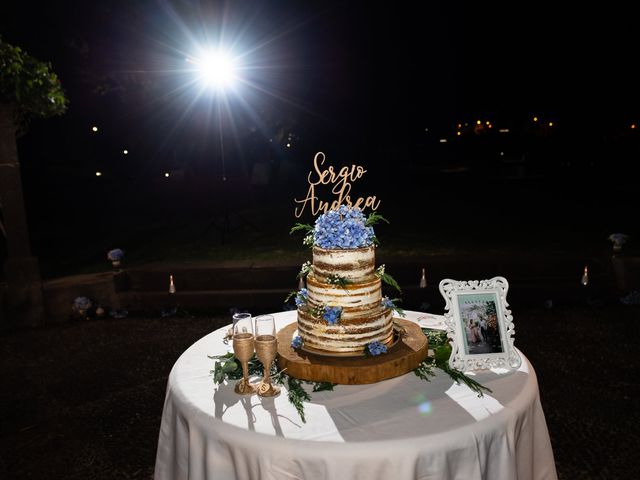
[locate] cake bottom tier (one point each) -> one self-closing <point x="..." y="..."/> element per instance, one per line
<point x="407" y="354"/>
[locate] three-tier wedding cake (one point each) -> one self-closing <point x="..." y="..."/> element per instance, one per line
<point x="342" y="310"/>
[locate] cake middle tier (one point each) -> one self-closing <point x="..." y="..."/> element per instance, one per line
<point x="354" y="297"/>
<point x="348" y="334"/>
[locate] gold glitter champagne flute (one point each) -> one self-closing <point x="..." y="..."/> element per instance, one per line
<point x="266" y="350"/>
<point x="243" y="347"/>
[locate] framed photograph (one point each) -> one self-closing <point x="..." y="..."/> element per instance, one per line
<point x="480" y="324"/>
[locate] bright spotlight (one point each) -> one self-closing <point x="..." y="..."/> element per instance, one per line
<point x="216" y="69"/>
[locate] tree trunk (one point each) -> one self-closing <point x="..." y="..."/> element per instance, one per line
<point x="25" y="306"/>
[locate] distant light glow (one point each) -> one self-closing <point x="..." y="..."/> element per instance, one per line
<point x="166" y="174"/>
<point x="126" y="152"/>
<point x="633" y="126"/>
<point x="98" y="174"/>
<point x="458" y="133"/>
<point x="479" y="122"/>
<point x="443" y="140"/>
<point x="224" y="77"/>
<point x="94" y="128"/>
<point x="551" y="124"/>
<point x="216" y="69"/>
<point x="288" y="145"/>
<point x="504" y="130"/>
<point x="535" y="119"/>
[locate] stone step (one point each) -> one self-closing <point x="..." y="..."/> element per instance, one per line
<point x="406" y="274"/>
<point x="532" y="282"/>
<point x="520" y="295"/>
<point x="196" y="279"/>
<point x="204" y="299"/>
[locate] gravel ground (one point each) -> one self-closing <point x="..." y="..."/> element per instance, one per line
<point x="84" y="400"/>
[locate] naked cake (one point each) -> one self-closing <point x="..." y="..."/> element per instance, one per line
<point x="342" y="309"/>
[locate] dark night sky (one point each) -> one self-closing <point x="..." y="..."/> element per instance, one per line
<point x="349" y="70"/>
<point x="358" y="80"/>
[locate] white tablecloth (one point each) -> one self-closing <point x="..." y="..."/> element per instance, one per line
<point x="402" y="428"/>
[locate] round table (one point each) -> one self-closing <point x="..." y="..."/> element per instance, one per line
<point x="401" y="428"/>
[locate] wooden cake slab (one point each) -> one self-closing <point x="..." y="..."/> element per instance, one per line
<point x="402" y="357"/>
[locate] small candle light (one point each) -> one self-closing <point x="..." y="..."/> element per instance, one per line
<point x="172" y="287"/>
<point x="585" y="276"/>
<point x="423" y="279"/>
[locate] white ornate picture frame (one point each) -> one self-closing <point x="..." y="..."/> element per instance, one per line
<point x="480" y="324"/>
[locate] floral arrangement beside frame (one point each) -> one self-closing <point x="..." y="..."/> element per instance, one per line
<point x="479" y="324"/>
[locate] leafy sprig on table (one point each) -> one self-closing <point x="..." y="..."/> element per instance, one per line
<point x="439" y="343"/>
<point x="228" y="367"/>
<point x="297" y="395"/>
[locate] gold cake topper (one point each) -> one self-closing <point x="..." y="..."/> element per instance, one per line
<point x="340" y="182"/>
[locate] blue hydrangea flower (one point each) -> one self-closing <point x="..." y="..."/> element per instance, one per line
<point x="332" y="314"/>
<point x="296" y="342"/>
<point x="301" y="297"/>
<point x="342" y="229"/>
<point x="388" y="303"/>
<point x="376" y="348"/>
<point x="82" y="303"/>
<point x="115" y="254"/>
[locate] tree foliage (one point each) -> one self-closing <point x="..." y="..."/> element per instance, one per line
<point x="28" y="86"/>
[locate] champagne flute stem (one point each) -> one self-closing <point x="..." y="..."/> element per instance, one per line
<point x="245" y="372"/>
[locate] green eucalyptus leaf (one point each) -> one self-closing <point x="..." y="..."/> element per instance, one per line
<point x="230" y="366"/>
<point x="442" y="353"/>
<point x="323" y="386"/>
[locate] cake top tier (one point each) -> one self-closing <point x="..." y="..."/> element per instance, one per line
<point x="354" y="265"/>
<point x="345" y="228"/>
